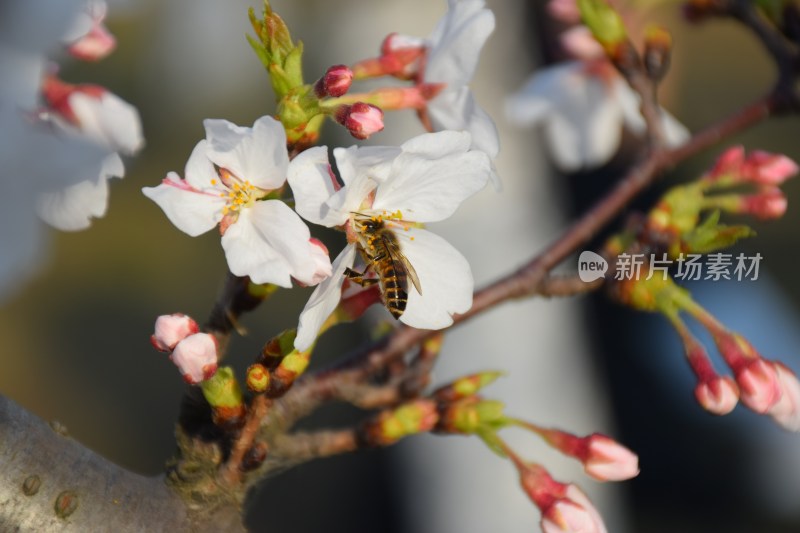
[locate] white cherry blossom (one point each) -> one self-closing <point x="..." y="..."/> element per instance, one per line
<point x="582" y="106"/>
<point x="32" y="159"/>
<point x="424" y="180"/>
<point x="228" y="177"/>
<point x="91" y="112"/>
<point x="452" y="51"/>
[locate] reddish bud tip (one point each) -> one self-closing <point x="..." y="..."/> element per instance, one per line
<point x="766" y="168"/>
<point x="196" y="357"/>
<point x="786" y="410"/>
<point x="171" y="329"/>
<point x="360" y="119"/>
<point x="759" y="386"/>
<point x="607" y="460"/>
<point x="718" y="395"/>
<point x="769" y="204"/>
<point x="336" y="82"/>
<point x="257" y="378"/>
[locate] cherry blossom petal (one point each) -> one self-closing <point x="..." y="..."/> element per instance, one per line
<point x="256" y="154"/>
<point x="323" y="300"/>
<point x="630" y="104"/>
<point x="108" y="120"/>
<point x="200" y="173"/>
<point x="191" y="211"/>
<point x="313" y="184"/>
<point x="458" y="110"/>
<point x="357" y="161"/>
<point x="456" y="42"/>
<point x="445" y="278"/>
<point x="269" y="243"/>
<point x="429" y="189"/>
<point x="585" y="128"/>
<point x="534" y="101"/>
<point x="72" y="208"/>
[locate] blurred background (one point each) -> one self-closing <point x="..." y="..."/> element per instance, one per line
<point x="76" y="336"/>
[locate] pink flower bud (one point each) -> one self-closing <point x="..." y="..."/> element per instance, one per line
<point x="335" y="82"/>
<point x="580" y="44"/>
<point x="769" y="204"/>
<point x="565" y="11"/>
<point x="730" y="162"/>
<point x="196" y="357"/>
<point x="718" y="395"/>
<point x="766" y="168"/>
<point x="607" y="460"/>
<point x="786" y="411"/>
<point x="759" y="386"/>
<point x="95" y="112"/>
<point x="574" y="513"/>
<point x="360" y="119"/>
<point x="171" y="329"/>
<point x="89" y="39"/>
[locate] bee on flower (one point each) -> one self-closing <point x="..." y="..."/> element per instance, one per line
<point x="386" y="195"/>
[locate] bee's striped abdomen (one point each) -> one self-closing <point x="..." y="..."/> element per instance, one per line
<point x="393" y="280"/>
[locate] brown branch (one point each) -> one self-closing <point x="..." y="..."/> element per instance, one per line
<point x="303" y="446"/>
<point x="230" y="473"/>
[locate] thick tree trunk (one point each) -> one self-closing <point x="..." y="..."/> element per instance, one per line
<point x="50" y="482"/>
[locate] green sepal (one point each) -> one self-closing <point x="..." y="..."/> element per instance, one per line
<point x="604" y="22"/>
<point x="710" y="235"/>
<point x="222" y="389"/>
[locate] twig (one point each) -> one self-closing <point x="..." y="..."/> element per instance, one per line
<point x="230" y="472"/>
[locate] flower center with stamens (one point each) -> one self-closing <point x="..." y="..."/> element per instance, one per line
<point x="239" y="193"/>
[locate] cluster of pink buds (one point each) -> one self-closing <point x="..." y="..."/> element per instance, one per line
<point x="766" y="387"/>
<point x="194" y="353"/>
<point x="762" y="170"/>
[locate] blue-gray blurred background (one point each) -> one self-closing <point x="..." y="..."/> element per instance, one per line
<point x="76" y="337"/>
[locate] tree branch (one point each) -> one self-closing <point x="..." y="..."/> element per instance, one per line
<point x="50" y="482"/>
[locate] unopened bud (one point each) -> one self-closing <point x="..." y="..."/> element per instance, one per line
<point x="171" y="329"/>
<point x="606" y="25"/>
<point x="289" y="369"/>
<point x="786" y="411"/>
<point x="196" y="357"/>
<point x="472" y="414"/>
<point x="336" y="82"/>
<point x="758" y="167"/>
<point x="564" y="508"/>
<point x="465" y="386"/>
<point x="223" y="394"/>
<point x="766" y="168"/>
<point x="257" y="378"/>
<point x="759" y="386"/>
<point x="360" y="119"/>
<point x="411" y="418"/>
<point x="768" y="204"/>
<point x="89" y="39"/>
<point x="657" y="52"/>
<point x="277" y="348"/>
<point x="718" y="395"/>
<point x="565" y="11"/>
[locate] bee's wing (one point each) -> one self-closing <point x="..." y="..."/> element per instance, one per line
<point x="401" y="261"/>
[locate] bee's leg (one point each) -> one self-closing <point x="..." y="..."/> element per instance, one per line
<point x="358" y="277"/>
